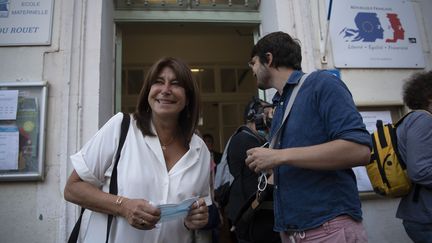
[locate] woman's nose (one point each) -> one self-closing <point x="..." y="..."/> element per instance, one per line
<point x="166" y="88"/>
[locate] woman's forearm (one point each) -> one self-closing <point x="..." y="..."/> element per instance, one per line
<point x="88" y="196"/>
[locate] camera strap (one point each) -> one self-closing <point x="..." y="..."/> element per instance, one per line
<point x="290" y="104"/>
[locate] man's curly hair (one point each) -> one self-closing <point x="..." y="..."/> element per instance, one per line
<point x="417" y="91"/>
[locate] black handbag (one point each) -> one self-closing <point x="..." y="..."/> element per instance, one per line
<point x="255" y="220"/>
<point x="214" y="218"/>
<point x="73" y="238"/>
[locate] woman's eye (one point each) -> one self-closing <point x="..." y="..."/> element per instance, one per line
<point x="175" y="82"/>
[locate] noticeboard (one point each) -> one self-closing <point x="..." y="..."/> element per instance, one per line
<point x="22" y="130"/>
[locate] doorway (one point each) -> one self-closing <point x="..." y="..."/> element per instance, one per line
<point x="217" y="54"/>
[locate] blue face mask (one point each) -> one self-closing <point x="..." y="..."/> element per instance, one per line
<point x="174" y="211"/>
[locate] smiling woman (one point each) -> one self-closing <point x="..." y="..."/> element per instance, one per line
<point x="155" y="79"/>
<point x="162" y="162"/>
<point x="166" y="97"/>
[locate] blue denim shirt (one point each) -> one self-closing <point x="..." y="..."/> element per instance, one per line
<point x="323" y="111"/>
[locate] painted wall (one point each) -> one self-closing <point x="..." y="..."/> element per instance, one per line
<point x="32" y="209"/>
<point x="36" y="211"/>
<point x="78" y="66"/>
<point x="306" y="20"/>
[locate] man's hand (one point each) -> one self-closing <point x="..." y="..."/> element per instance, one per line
<point x="261" y="159"/>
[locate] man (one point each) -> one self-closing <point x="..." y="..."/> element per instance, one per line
<point x="414" y="143"/>
<point x="252" y="134"/>
<point x="316" y="197"/>
<point x="209" y="141"/>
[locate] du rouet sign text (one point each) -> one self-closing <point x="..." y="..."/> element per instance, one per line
<point x="375" y="34"/>
<point x="25" y="22"/>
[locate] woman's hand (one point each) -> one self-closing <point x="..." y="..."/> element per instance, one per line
<point x="198" y="215"/>
<point x="140" y="213"/>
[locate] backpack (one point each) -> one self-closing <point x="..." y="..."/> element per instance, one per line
<point x="386" y="169"/>
<point x="254" y="220"/>
<point x="223" y="177"/>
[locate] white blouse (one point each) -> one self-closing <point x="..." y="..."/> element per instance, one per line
<point x="141" y="173"/>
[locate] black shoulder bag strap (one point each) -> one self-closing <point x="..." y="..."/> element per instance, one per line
<point x="73" y="238"/>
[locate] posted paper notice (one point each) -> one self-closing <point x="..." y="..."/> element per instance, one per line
<point x="8" y="104"/>
<point x="9" y="142"/>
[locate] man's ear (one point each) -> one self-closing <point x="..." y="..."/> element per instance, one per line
<point x="269" y="58"/>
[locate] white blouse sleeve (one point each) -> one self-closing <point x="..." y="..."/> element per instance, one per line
<point x="97" y="155"/>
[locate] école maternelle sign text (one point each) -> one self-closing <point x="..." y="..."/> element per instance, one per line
<point x="25" y="22"/>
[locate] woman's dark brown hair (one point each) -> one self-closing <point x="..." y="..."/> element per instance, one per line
<point x="188" y="119"/>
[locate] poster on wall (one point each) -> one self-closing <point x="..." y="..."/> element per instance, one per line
<point x="369" y="119"/>
<point x="375" y="34"/>
<point x="24" y="22"/>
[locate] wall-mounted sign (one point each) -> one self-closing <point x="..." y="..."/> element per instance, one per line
<point x="22" y="136"/>
<point x="25" y="22"/>
<point x="375" y="34"/>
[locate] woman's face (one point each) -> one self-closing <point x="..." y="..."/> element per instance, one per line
<point x="166" y="97"/>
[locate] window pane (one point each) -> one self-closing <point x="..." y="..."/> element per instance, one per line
<point x="207" y="80"/>
<point x="246" y="82"/>
<point x="156" y="2"/>
<point x="210" y="115"/>
<point x="235" y="2"/>
<point x="135" y="79"/>
<point x="123" y="80"/>
<point x="230" y="114"/>
<point x="227" y="132"/>
<point x="228" y="80"/>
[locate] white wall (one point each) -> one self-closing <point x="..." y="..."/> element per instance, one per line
<point x="80" y="98"/>
<point x="36" y="211"/>
<point x="30" y="210"/>
<point x="380" y="222"/>
<point x="305" y="20"/>
<point x="107" y="62"/>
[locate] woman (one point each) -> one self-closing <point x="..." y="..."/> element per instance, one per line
<point x="161" y="162"/>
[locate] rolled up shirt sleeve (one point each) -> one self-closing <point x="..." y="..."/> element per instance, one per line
<point x="338" y="111"/>
<point x="95" y="158"/>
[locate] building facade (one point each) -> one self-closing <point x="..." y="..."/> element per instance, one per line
<point x="100" y="50"/>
